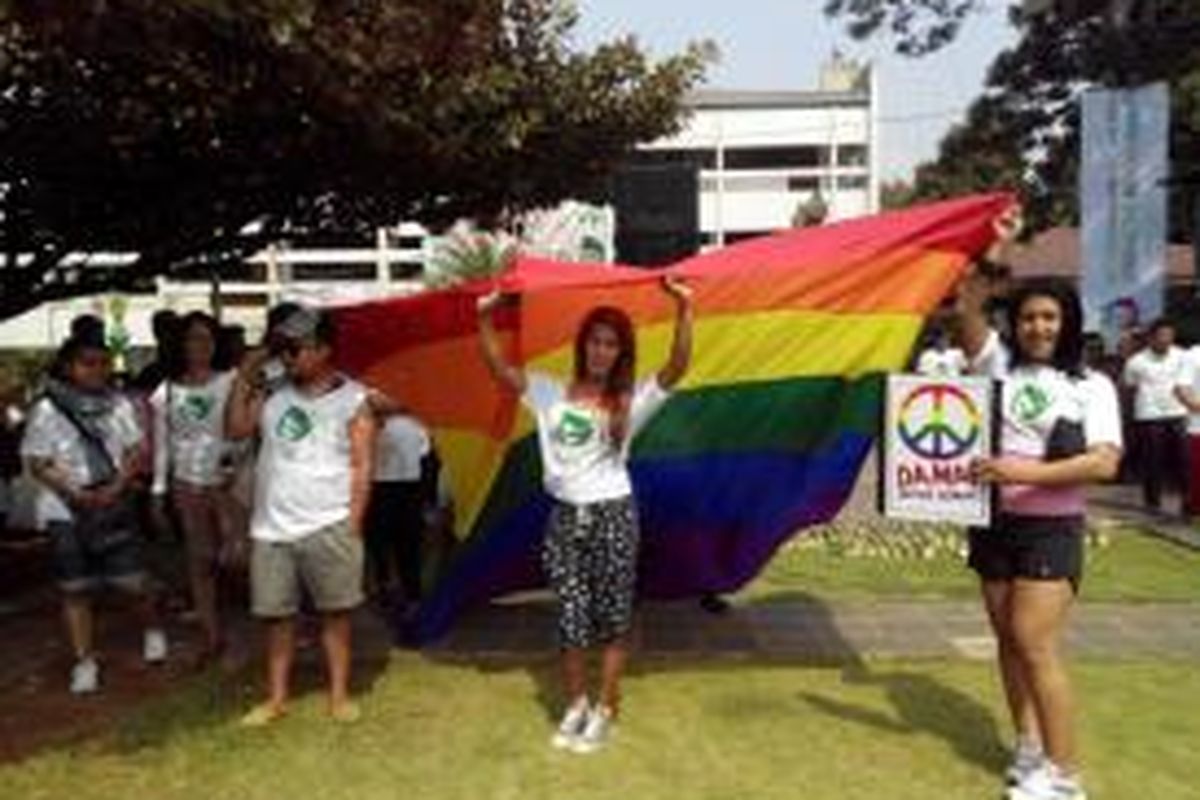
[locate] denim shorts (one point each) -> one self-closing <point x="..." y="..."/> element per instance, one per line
<point x="84" y="562"/>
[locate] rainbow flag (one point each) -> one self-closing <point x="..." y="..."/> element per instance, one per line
<point x="765" y="435"/>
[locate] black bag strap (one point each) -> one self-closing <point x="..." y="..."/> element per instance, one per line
<point x="89" y="438"/>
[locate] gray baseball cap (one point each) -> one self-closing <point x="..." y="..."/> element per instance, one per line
<point x="300" y="324"/>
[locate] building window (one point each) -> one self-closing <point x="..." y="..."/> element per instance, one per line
<point x="852" y="155"/>
<point x="700" y="158"/>
<point x="244" y="300"/>
<point x="804" y="183"/>
<point x="852" y="182"/>
<point x="407" y="242"/>
<point x="776" y="157"/>
<point x="240" y="272"/>
<point x="333" y="272"/>
<point x="405" y="270"/>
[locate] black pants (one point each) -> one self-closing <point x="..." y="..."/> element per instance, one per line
<point x="393" y="533"/>
<point x="1163" y="447"/>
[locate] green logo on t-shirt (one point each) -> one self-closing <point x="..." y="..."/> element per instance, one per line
<point x="196" y="407"/>
<point x="294" y="424"/>
<point x="1030" y="403"/>
<point x="574" y="429"/>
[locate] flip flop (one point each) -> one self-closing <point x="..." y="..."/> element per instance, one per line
<point x="262" y="715"/>
<point x="346" y="713"/>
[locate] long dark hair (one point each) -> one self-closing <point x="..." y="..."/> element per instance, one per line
<point x="619" y="382"/>
<point x="1068" y="350"/>
<point x="185" y="324"/>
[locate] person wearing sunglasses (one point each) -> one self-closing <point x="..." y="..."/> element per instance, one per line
<point x="317" y="432"/>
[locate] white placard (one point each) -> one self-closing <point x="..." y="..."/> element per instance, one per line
<point x="933" y="429"/>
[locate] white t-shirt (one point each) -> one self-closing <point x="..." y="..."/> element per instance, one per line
<point x="195" y="426"/>
<point x="50" y="435"/>
<point x="1189" y="378"/>
<point x="942" y="363"/>
<point x="1154" y="378"/>
<point x="401" y="445"/>
<point x="302" y="482"/>
<point x="1033" y="398"/>
<point x="579" y="463"/>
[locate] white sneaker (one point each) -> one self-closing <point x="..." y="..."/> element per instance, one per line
<point x="1048" y="783"/>
<point x="1027" y="759"/>
<point x="571" y="726"/>
<point x="85" y="676"/>
<point x="154" y="646"/>
<point x="599" y="728"/>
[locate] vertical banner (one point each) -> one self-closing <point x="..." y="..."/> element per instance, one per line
<point x="933" y="429"/>
<point x="1123" y="203"/>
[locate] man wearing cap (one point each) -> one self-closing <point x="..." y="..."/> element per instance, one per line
<point x="313" y="479"/>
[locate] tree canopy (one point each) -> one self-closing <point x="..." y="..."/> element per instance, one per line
<point x="163" y="128"/>
<point x="1023" y="131"/>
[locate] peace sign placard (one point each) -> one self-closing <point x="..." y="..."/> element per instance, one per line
<point x="933" y="429"/>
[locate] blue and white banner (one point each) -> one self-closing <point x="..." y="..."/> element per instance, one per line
<point x="1123" y="203"/>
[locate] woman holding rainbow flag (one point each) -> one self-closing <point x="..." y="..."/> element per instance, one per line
<point x="585" y="427"/>
<point x="1060" y="430"/>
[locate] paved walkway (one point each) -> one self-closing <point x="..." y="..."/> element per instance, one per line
<point x="816" y="631"/>
<point x="34" y="707"/>
<point x="35" y="710"/>
<point x="804" y="629"/>
<point x="1123" y="504"/>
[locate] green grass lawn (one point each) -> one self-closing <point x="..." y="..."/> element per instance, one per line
<point x="449" y="727"/>
<point x="860" y="563"/>
<point x="723" y="731"/>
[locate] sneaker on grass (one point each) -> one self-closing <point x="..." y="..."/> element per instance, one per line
<point x="1048" y="783"/>
<point x="598" y="730"/>
<point x="571" y="725"/>
<point x="154" y="646"/>
<point x="1028" y="758"/>
<point x="85" y="676"/>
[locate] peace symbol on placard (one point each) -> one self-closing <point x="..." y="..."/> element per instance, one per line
<point x="939" y="421"/>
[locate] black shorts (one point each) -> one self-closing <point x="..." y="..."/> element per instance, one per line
<point x="1035" y="548"/>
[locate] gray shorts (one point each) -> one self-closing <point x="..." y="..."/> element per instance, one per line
<point x="328" y="564"/>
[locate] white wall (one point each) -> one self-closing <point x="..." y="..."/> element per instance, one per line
<point x="741" y="200"/>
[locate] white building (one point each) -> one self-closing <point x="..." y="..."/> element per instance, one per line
<point x="763" y="155"/>
<point x="320" y="276"/>
<point x="317" y="276"/>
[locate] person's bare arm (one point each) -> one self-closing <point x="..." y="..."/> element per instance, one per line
<point x="978" y="288"/>
<point x="364" y="428"/>
<point x="971" y="309"/>
<point x="681" y="344"/>
<point x="489" y="345"/>
<point x="47" y="473"/>
<point x="1098" y="464"/>
<point x="1189" y="398"/>
<point x="243" y="409"/>
<point x="54" y="478"/>
<point x="383" y="405"/>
